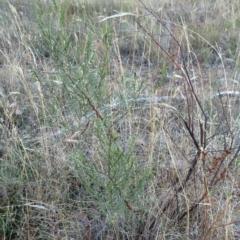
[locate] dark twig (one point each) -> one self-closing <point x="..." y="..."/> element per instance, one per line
<point x="98" y="114"/>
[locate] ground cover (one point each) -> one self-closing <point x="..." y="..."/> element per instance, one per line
<point x="105" y="136"/>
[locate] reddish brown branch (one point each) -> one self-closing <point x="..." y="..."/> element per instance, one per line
<point x="98" y="114"/>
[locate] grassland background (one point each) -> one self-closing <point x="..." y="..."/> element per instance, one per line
<point x="88" y="147"/>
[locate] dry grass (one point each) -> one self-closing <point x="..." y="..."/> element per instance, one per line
<point x="93" y="141"/>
